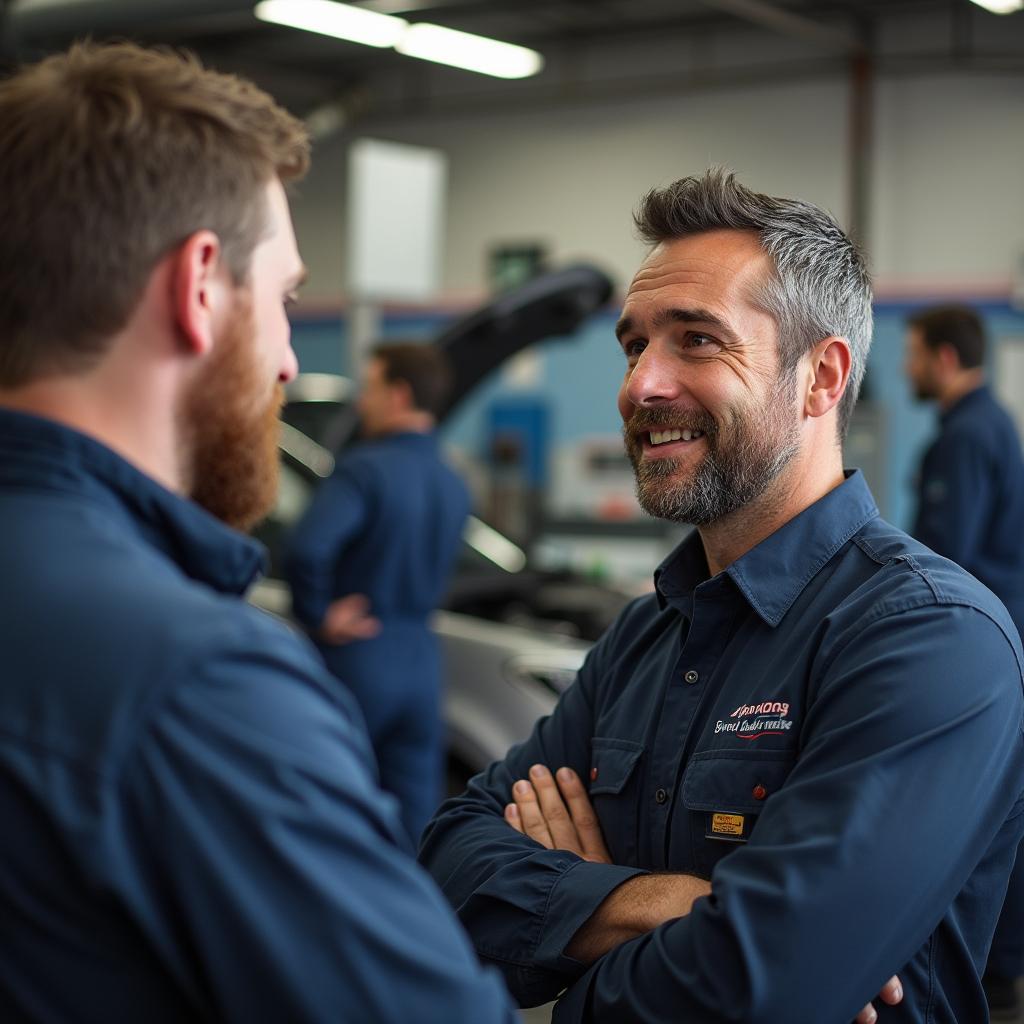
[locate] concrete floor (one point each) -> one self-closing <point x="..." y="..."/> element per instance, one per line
<point x="538" y="1015"/>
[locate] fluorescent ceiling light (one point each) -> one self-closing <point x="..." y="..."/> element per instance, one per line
<point x="333" y="19"/>
<point x="468" y="51"/>
<point x="1001" y="6"/>
<point x="428" y="42"/>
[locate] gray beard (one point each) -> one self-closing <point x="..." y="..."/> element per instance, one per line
<point x="735" y="470"/>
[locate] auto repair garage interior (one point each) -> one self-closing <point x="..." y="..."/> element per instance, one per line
<point x="485" y="208"/>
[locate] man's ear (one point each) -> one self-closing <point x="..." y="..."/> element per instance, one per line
<point x="401" y="392"/>
<point x="200" y="290"/>
<point x="828" y="375"/>
<point x="948" y="358"/>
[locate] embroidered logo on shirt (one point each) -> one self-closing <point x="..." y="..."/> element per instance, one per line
<point x="727" y="824"/>
<point x="751" y="721"/>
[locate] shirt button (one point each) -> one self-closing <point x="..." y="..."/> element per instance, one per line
<point x="661" y="796"/>
<point x="759" y="792"/>
<point x="691" y="676"/>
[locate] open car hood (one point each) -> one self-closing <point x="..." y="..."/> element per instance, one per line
<point x="551" y="305"/>
<point x="548" y="307"/>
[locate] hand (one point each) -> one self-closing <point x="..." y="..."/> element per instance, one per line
<point x="892" y="993"/>
<point x="348" y="618"/>
<point x="557" y="815"/>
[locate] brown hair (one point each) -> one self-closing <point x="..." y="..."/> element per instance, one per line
<point x="960" y="327"/>
<point x="110" y="157"/>
<point x="423" y="367"/>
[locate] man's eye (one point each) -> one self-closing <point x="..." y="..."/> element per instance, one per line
<point x="633" y="348"/>
<point x="700" y="341"/>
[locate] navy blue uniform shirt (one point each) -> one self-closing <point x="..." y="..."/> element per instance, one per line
<point x="387" y="523"/>
<point x="191" y="826"/>
<point x="829" y="730"/>
<point x="971" y="496"/>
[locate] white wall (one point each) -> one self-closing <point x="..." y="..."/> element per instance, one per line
<point x="948" y="167"/>
<point x="949" y="182"/>
<point x="572" y="177"/>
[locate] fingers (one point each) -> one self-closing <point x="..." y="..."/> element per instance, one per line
<point x="529" y="814"/>
<point x="892" y="991"/>
<point x="552" y="807"/>
<point x="557" y="813"/>
<point x="349" y="618"/>
<point x="584" y="820"/>
<point x="512" y="817"/>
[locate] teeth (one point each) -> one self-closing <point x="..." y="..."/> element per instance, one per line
<point x="664" y="436"/>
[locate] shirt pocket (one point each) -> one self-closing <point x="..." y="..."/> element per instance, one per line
<point x="613" y="792"/>
<point x="724" y="793"/>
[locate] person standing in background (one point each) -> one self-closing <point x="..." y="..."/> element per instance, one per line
<point x="970" y="508"/>
<point x="369" y="561"/>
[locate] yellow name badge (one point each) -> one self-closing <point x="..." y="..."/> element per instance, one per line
<point x="727" y="824"/>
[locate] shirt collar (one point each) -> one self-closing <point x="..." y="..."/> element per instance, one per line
<point x="43" y="453"/>
<point x="772" y="575"/>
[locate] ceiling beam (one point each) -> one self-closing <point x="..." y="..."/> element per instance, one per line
<point x="795" y="25"/>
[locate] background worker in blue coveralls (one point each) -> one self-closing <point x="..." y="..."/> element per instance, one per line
<point x="796" y="768"/>
<point x="191" y="826"/>
<point x="970" y="508"/>
<point x="369" y="561"/>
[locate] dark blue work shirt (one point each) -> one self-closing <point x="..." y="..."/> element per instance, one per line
<point x="387" y="523"/>
<point x="971" y="496"/>
<point x="829" y="730"/>
<point x="191" y="828"/>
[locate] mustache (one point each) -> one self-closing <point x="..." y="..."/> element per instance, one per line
<point x="644" y="419"/>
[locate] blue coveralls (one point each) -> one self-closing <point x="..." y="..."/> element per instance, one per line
<point x="971" y="509"/>
<point x="191" y="828"/>
<point x="387" y="523"/>
<point x="829" y="730"/>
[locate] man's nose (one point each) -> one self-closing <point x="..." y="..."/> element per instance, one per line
<point x="654" y="378"/>
<point x="290" y="367"/>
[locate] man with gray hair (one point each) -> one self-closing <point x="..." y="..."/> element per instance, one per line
<point x="798" y="765"/>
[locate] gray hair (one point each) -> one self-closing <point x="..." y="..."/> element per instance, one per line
<point x="821" y="285"/>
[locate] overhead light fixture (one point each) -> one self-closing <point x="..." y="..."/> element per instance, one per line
<point x="425" y="41"/>
<point x="1001" y="6"/>
<point x="333" y="19"/>
<point x="468" y="51"/>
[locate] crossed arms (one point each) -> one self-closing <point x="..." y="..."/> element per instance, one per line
<point x="827" y="888"/>
<point x="555" y="811"/>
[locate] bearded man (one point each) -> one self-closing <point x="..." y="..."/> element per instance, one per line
<point x="192" y="825"/>
<point x="796" y="767"/>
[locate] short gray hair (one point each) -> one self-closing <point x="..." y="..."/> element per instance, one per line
<point x="821" y="285"/>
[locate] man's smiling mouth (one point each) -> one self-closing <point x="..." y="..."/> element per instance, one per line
<point x="658" y="437"/>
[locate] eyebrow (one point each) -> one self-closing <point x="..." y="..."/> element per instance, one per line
<point x="665" y="317"/>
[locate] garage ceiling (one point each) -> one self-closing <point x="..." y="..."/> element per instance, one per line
<point x="579" y="39"/>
